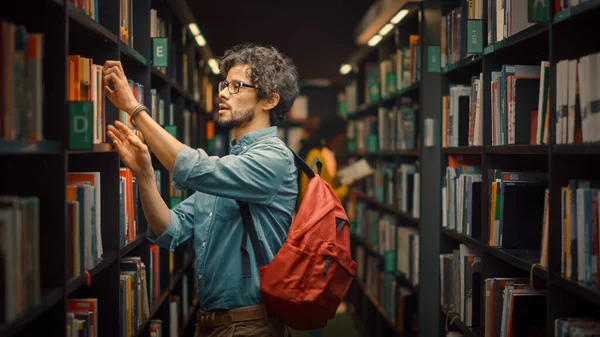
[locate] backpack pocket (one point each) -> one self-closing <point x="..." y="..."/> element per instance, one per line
<point x="331" y="276"/>
<point x="288" y="270"/>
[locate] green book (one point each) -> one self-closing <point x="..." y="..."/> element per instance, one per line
<point x="80" y="125"/>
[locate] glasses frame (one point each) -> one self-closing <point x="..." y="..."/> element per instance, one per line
<point x="242" y="84"/>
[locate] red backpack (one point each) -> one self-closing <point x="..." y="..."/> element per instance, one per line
<point x="308" y="277"/>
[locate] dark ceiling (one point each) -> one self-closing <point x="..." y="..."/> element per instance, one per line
<point x="317" y="34"/>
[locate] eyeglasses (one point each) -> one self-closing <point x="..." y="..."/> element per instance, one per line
<point x="233" y="86"/>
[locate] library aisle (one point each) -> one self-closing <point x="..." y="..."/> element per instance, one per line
<point x="472" y="127"/>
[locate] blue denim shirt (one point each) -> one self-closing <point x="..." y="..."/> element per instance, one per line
<point x="260" y="170"/>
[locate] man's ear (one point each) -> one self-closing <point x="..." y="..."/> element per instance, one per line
<point x="271" y="102"/>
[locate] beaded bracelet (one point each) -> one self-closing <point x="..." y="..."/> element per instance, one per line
<point x="137" y="109"/>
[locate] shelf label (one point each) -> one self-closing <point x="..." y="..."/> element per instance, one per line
<point x="159" y="51"/>
<point x="537" y="11"/>
<point x="80" y="125"/>
<point x="434" y="55"/>
<point x="474" y="36"/>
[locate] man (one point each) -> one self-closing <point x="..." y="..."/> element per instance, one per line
<point x="259" y="89"/>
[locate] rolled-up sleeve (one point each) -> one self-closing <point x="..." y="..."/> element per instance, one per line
<point x="254" y="176"/>
<point x="181" y="226"/>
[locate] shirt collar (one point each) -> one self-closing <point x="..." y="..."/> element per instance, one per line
<point x="253" y="137"/>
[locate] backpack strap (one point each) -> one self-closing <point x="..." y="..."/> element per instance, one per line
<point x="249" y="229"/>
<point x="301" y="164"/>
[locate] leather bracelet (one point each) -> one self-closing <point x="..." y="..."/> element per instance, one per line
<point x="139" y="108"/>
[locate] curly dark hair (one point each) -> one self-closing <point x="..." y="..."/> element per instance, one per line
<point x="270" y="70"/>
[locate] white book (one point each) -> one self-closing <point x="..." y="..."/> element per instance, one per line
<point x="358" y="170"/>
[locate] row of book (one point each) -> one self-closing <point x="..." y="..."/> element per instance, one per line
<point x="82" y="317"/>
<point x="512" y="306"/>
<point x="126" y="21"/>
<point x="397" y="129"/>
<point x="520" y="104"/>
<point x="399" y="71"/>
<point x="398" y="245"/>
<point x="86" y="84"/>
<point x="134" y="294"/>
<point x="89" y="7"/>
<point x="393" y="129"/>
<point x="21" y="82"/>
<point x="518" y="199"/>
<point x="384" y="79"/>
<point x="580" y="252"/>
<point x="576" y="97"/>
<point x="459" y="272"/>
<point x="454" y="30"/>
<point x="507" y="18"/>
<point x="20" y="284"/>
<point x="519" y="108"/>
<point x="395" y="186"/>
<point x="84" y="222"/>
<point x="398" y="302"/>
<point x="461" y="198"/>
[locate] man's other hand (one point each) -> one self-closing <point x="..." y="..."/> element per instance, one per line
<point x="130" y="149"/>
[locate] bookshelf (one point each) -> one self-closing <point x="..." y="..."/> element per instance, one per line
<point x="559" y="153"/>
<point x="384" y="91"/>
<point x="46" y="161"/>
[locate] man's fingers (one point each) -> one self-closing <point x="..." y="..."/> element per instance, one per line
<point x="117" y="133"/>
<point x="111" y="77"/>
<point x="117" y="65"/>
<point x="123" y="128"/>
<point x="133" y="139"/>
<point x="111" y="63"/>
<point x="116" y="142"/>
<point x="108" y="91"/>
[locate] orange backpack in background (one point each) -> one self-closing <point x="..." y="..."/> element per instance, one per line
<point x="309" y="276"/>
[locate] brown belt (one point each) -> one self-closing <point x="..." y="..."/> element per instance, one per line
<point x="211" y="319"/>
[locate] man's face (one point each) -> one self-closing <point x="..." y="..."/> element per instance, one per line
<point x="239" y="108"/>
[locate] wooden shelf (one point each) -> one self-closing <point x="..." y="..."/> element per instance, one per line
<point x="96" y="148"/>
<point x="517" y="39"/>
<point x="473" y="242"/>
<point x="375" y="302"/>
<point x="132" y="54"/>
<point x="517" y="149"/>
<point x="475" y="150"/>
<point x="132" y="245"/>
<point x="591" y="294"/>
<point x="49" y="299"/>
<point x="461" y="64"/>
<point x="160" y="76"/>
<point x="75" y="283"/>
<point x="467" y="331"/>
<point x="520" y="258"/>
<point x="26" y="147"/>
<point x="577" y="149"/>
<point x="77" y="15"/>
<point x="387" y="208"/>
<point x="386" y="153"/>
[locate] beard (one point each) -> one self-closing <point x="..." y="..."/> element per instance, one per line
<point x="236" y="118"/>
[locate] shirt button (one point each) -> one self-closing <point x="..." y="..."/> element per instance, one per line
<point x="203" y="243"/>
<point x="199" y="277"/>
<point x="245" y="147"/>
<point x="210" y="215"/>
